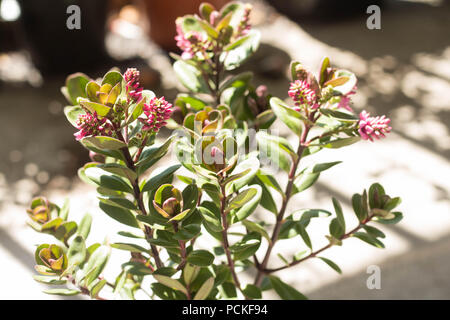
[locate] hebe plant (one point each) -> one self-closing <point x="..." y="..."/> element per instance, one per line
<point x="224" y="143"/>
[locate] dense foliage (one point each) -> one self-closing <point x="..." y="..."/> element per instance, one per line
<point x="223" y="139"/>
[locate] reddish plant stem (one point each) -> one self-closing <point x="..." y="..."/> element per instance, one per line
<point x="288" y="193"/>
<point x="225" y="243"/>
<point x="315" y="253"/>
<point x="139" y="199"/>
<point x="138" y="153"/>
<point x="182" y="245"/>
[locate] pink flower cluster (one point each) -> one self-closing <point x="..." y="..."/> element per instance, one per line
<point x="158" y="110"/>
<point x="90" y="125"/>
<point x="245" y="26"/>
<point x="134" y="91"/>
<point x="300" y="91"/>
<point x="345" y="100"/>
<point x="373" y="127"/>
<point x="191" y="42"/>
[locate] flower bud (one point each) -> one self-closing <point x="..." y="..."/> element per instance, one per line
<point x="168" y="201"/>
<point x="51" y="257"/>
<point x="40" y="211"/>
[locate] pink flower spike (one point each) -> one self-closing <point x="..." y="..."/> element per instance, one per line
<point x="157" y="111"/>
<point x="300" y="91"/>
<point x="190" y="42"/>
<point x="90" y="125"/>
<point x="131" y="77"/>
<point x="373" y="127"/>
<point x="245" y="26"/>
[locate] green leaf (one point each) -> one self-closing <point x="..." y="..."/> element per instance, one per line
<point x="188" y="232"/>
<point x="118" y="201"/>
<point x="369" y="239"/>
<point x="374" y="232"/>
<point x="190" y="102"/>
<point x="236" y="80"/>
<point x="159" y="177"/>
<point x="348" y="86"/>
<point x="205" y="289"/>
<point x="190" y="272"/>
<point x="319" y="167"/>
<point x="341" y="142"/>
<point x="332" y="265"/>
<point x="392" y="203"/>
<point x="119" y="170"/>
<point x="77" y="251"/>
<point x="72" y="113"/>
<point x="128" y="247"/>
<point x="289" y="116"/>
<point x="358" y="207"/>
<point x="65" y="230"/>
<point x="136" y="268"/>
<point x="269" y="180"/>
<point x="95" y="290"/>
<point x="211" y="216"/>
<point x="240" y="50"/>
<point x="103" y="142"/>
<point x="285" y="291"/>
<point x="242" y="198"/>
<point x="293" y="69"/>
<point x="323" y="68"/>
<point x="255" y="227"/>
<point x="302" y="232"/>
<point x="247" y="208"/>
<point x="340" y="115"/>
<point x="200" y="258"/>
<point x="240" y="181"/>
<point x="107" y="180"/>
<point x="336" y="229"/>
<point x="119" y="214"/>
<point x="376" y="192"/>
<point x="190" y="77"/>
<point x="171" y="283"/>
<point x="91" y="91"/>
<point x="62" y="292"/>
<point x="129" y="235"/>
<point x="246" y="247"/>
<point x="277" y="149"/>
<point x="267" y="201"/>
<point x="52" y="280"/>
<point x="304" y="181"/>
<point x="96" y="263"/>
<point x="252" y="291"/>
<point x="94" y="107"/>
<point x="64" y="212"/>
<point x="85" y="226"/>
<point x="339" y="214"/>
<point x="151" y="155"/>
<point x="280" y="256"/>
<point x="398" y="216"/>
<point x="76" y="86"/>
<point x="112" y="78"/>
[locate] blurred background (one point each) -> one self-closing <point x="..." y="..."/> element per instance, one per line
<point x="403" y="71"/>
